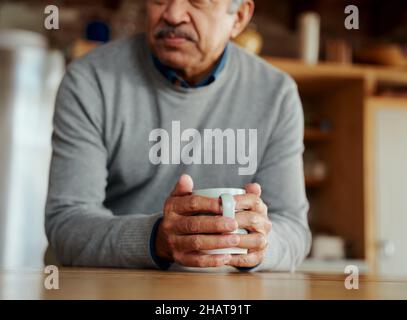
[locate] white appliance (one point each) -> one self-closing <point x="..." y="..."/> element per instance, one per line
<point x="390" y="185"/>
<point x="29" y="77"/>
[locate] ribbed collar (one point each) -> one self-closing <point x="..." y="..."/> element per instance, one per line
<point x="171" y="75"/>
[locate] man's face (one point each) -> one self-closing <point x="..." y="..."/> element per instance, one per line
<point x="188" y="34"/>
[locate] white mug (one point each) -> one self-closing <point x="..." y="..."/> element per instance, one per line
<point x="228" y="207"/>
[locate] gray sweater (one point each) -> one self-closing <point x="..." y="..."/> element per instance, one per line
<point x="107" y="184"/>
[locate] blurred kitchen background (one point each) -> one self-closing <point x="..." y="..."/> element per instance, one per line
<point x="353" y="84"/>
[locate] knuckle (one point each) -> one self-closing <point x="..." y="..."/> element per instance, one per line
<point x="223" y="242"/>
<point x="257" y="201"/>
<point x="178" y="258"/>
<point x="258" y="204"/>
<point x="220" y="225"/>
<point x="261" y="241"/>
<point x="240" y="219"/>
<point x="216" y="261"/>
<point x="192" y="226"/>
<point x="254" y="220"/>
<point x="196" y="243"/>
<point x="193" y="203"/>
<point x="166" y="225"/>
<point x="246" y="260"/>
<point x="166" y="205"/>
<point x="200" y="262"/>
<point x="172" y="243"/>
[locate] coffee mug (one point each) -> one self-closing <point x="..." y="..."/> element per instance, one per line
<point x="228" y="210"/>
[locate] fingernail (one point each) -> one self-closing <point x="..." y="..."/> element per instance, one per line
<point x="227" y="258"/>
<point x="230" y="225"/>
<point x="234" y="240"/>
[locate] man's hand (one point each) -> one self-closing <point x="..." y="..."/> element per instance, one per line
<point x="254" y="220"/>
<point x="181" y="235"/>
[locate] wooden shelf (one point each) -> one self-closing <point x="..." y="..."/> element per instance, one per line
<point x="311" y="182"/>
<point x="337" y="93"/>
<point x="327" y="75"/>
<point x="315" y="135"/>
<point x="297" y="68"/>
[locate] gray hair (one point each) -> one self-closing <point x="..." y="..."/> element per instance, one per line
<point x="235" y="5"/>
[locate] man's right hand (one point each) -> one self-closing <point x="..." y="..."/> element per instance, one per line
<point x="181" y="235"/>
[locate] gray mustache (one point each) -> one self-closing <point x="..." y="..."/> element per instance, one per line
<point x="175" y="31"/>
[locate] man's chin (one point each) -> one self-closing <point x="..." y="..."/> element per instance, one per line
<point x="174" y="60"/>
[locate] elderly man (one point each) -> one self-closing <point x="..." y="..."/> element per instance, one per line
<point x="111" y="205"/>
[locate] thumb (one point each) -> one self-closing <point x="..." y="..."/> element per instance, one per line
<point x="253" y="188"/>
<point x="183" y="187"/>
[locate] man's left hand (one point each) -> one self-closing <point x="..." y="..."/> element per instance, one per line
<point x="255" y="220"/>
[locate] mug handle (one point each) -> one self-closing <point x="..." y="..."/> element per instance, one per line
<point x="228" y="205"/>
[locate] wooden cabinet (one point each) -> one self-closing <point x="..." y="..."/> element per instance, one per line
<point x="363" y="199"/>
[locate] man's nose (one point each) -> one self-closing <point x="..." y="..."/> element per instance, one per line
<point x="176" y="12"/>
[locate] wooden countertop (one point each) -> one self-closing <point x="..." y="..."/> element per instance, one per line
<point x="77" y="283"/>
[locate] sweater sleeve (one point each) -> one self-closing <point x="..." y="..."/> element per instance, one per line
<point x="80" y="229"/>
<point x="281" y="176"/>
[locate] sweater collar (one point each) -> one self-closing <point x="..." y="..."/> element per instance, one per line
<point x="174" y="78"/>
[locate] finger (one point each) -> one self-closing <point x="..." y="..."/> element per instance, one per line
<point x="253" y="221"/>
<point x="191" y="243"/>
<point x="203" y="225"/>
<point x="193" y="204"/>
<point x="201" y="260"/>
<point x="254" y="188"/>
<point x="251" y="202"/>
<point x="184" y="186"/>
<point x="247" y="260"/>
<point x="253" y="241"/>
